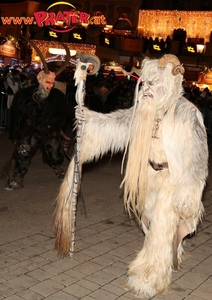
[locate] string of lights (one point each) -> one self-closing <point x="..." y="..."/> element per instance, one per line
<point x="154" y="23"/>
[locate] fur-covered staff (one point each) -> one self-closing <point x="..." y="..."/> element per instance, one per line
<point x="66" y="202"/>
<point x="165" y="142"/>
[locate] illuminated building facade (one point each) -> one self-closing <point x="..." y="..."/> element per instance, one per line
<point x="118" y="30"/>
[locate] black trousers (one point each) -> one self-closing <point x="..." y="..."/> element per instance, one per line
<point x="26" y="148"/>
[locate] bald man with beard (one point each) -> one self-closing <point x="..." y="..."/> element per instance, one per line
<point x="38" y="115"/>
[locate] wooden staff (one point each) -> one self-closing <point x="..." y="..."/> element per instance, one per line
<point x="80" y="80"/>
<point x="66" y="201"/>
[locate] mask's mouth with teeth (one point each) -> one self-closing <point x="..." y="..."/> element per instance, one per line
<point x="148" y="95"/>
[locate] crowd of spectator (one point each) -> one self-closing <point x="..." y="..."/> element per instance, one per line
<point x="105" y="91"/>
<point x="203" y="100"/>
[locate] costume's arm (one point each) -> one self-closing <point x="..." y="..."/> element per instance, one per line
<point x="185" y="143"/>
<point x="102" y="133"/>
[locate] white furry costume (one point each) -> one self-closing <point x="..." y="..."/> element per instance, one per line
<point x="167" y="165"/>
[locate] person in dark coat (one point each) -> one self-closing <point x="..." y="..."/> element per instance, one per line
<point x="38" y="116"/>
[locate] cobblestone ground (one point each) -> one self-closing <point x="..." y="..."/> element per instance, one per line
<point x="106" y="240"/>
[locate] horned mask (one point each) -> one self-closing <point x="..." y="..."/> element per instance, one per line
<point x="172" y="59"/>
<point x="46" y="77"/>
<point x="89" y="65"/>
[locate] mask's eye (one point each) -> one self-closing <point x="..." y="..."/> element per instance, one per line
<point x="148" y="83"/>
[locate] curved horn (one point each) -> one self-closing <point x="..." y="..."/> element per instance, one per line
<point x="66" y="62"/>
<point x="46" y="70"/>
<point x="170" y="58"/>
<point x="93" y="59"/>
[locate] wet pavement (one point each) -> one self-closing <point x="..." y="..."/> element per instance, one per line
<point x="106" y="239"/>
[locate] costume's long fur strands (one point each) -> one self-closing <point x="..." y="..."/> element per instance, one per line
<point x="173" y="204"/>
<point x="99" y="136"/>
<point x="63" y="214"/>
<point x="135" y="179"/>
<point x="136" y="171"/>
<point x="104" y="133"/>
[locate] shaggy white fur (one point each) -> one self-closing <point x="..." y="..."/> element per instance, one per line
<point x="161" y="127"/>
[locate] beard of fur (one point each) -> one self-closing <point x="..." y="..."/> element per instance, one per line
<point x="40" y="93"/>
<point x="135" y="180"/>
